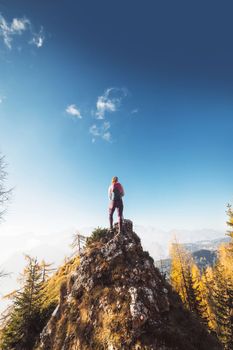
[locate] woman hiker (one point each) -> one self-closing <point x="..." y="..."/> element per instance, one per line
<point x="115" y="194"/>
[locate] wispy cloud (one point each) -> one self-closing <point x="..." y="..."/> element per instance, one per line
<point x="109" y="101"/>
<point x="134" y="111"/>
<point x="107" y="136"/>
<point x="38" y="38"/>
<point x="74" y="111"/>
<point x="17" y="27"/>
<point x="2" y="98"/>
<point x="101" y="131"/>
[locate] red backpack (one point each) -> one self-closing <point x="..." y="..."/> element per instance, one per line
<point x="117" y="194"/>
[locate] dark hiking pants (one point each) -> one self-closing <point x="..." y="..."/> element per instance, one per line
<point x="119" y="206"/>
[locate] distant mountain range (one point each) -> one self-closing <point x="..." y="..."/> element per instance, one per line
<point x="203" y="252"/>
<point x="206" y="244"/>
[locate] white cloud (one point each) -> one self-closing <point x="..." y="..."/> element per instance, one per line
<point x="94" y="130"/>
<point x="9" y="30"/>
<point x="38" y="39"/>
<point x="104" y="105"/>
<point x="74" y="111"/>
<point x="2" y="98"/>
<point x="134" y="111"/>
<point x="5" y="32"/>
<point x="109" y="101"/>
<point x="107" y="136"/>
<point x="101" y="131"/>
<point x="17" y="27"/>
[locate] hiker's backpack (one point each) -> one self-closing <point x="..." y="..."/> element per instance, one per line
<point x="116" y="192"/>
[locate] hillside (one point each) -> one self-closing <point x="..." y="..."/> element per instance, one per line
<point x="117" y="299"/>
<point x="203" y="258"/>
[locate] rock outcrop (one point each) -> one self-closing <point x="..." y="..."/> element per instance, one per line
<point x="118" y="300"/>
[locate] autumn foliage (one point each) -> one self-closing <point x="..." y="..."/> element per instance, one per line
<point x="207" y="293"/>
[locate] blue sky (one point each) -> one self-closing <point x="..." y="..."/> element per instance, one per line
<point x="92" y="89"/>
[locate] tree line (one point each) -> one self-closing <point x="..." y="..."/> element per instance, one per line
<point x="208" y="293"/>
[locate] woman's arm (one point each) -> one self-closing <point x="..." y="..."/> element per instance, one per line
<point x="110" y="192"/>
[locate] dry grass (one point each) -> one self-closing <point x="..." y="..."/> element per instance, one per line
<point x="53" y="285"/>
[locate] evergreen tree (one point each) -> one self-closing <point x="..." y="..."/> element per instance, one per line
<point x="221" y="305"/>
<point x="207" y="279"/>
<point x="230" y="223"/>
<point x="226" y="257"/>
<point x="218" y="291"/>
<point x="208" y="293"/>
<point x="200" y="295"/>
<point x="223" y="294"/>
<point x="25" y="320"/>
<point x="46" y="270"/>
<point x="181" y="276"/>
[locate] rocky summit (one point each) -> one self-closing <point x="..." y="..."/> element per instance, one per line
<point x="117" y="300"/>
